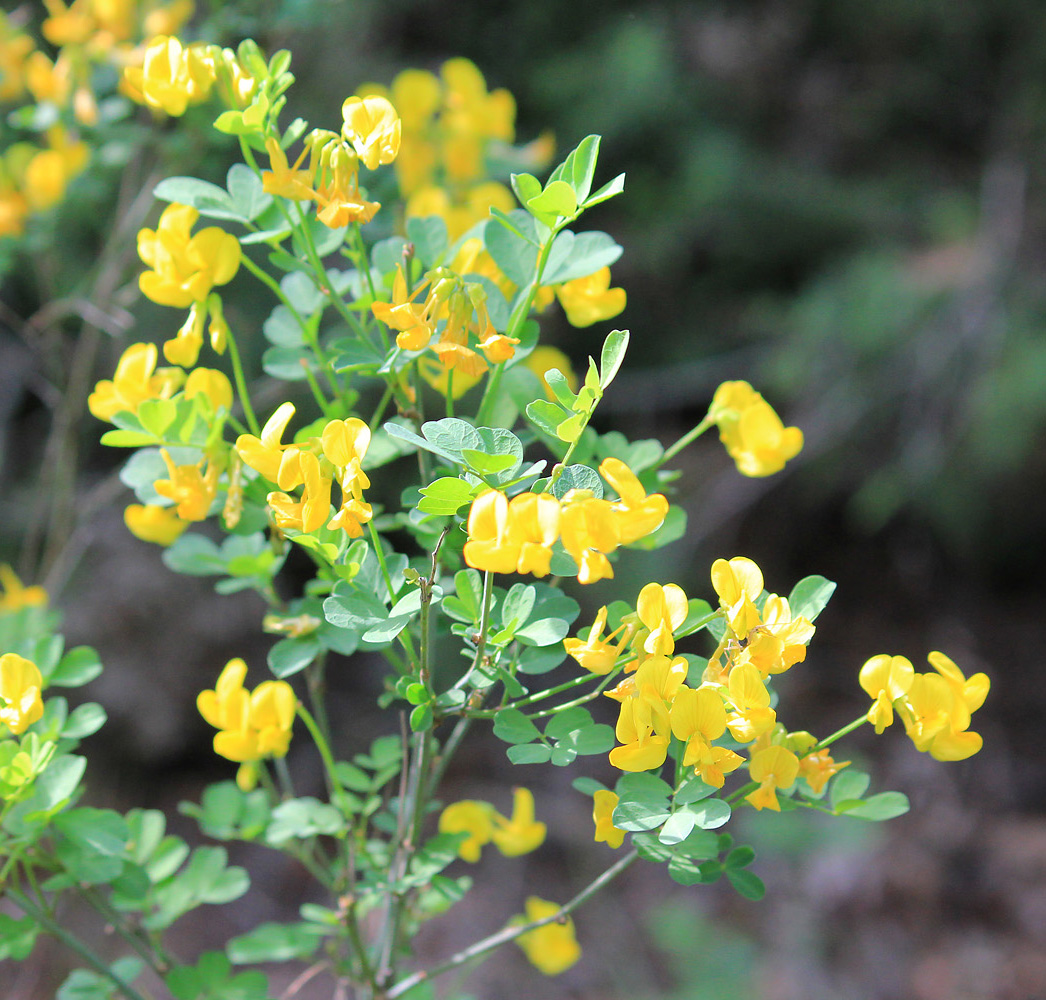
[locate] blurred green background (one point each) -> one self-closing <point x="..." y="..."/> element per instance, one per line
<point x="843" y="203"/>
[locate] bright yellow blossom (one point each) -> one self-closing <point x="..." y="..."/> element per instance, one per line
<point x="251" y="725"/>
<point x="472" y="817"/>
<point x="551" y="948"/>
<point x="171" y="77"/>
<point x="192" y="490"/>
<point x="185" y="268"/>
<point x="661" y="609"/>
<point x="590" y="299"/>
<point x="698" y="717"/>
<point x="937" y="708"/>
<point x="604" y="802"/>
<point x="774" y="767"/>
<point x="20" y="687"/>
<point x="886" y="679"/>
<point x="521" y="833"/>
<point x="372" y="126"/>
<point x="595" y="653"/>
<point x="136" y="380"/>
<point x="16" y="595"/>
<point x="153" y="523"/>
<point x="754" y="436"/>
<point x="752" y="715"/>
<point x="738" y="582"/>
<point x="212" y="384"/>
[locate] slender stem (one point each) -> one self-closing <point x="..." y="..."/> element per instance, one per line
<point x="688" y="438"/>
<point x="241" y="385"/>
<point x="511" y="933"/>
<point x="153" y="957"/>
<point x="324" y="748"/>
<point x="840" y="733"/>
<point x="266" y="279"/>
<point x="74" y="944"/>
<point x="484" y="619"/>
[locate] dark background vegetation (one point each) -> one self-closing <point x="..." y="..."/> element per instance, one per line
<point x="843" y="203"/>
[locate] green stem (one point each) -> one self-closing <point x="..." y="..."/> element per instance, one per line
<point x="840" y="733"/>
<point x="241" y="385"/>
<point x="74" y="944"/>
<point x="337" y="791"/>
<point x="510" y="933"/>
<point x="688" y="438"/>
<point x="515" y="324"/>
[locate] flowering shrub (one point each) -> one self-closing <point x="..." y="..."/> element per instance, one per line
<point x="420" y="345"/>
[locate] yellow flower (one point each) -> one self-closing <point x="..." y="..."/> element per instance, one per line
<point x="512" y="536"/>
<point x="251" y="725"/>
<point x="285" y="180"/>
<point x="16" y="595"/>
<point x="754" y="436"/>
<point x="276" y="461"/>
<point x="171" y="77"/>
<point x="552" y="948"/>
<point x="472" y="817"/>
<point x="886" y="679"/>
<point x="183" y="268"/>
<point x="372" y="126"/>
<point x="522" y="833"/>
<point x="738" y="582"/>
<point x="774" y="767"/>
<point x="590" y="299"/>
<point x="312" y="511"/>
<point x="752" y="715"/>
<point x="698" y="717"/>
<point x="136" y="380"/>
<point x="192" y="490"/>
<point x="818" y="767"/>
<point x="638" y="515"/>
<point x="153" y="523"/>
<point x="604" y="803"/>
<point x="937" y="710"/>
<point x="20" y="686"/>
<point x="212" y="384"/>
<point x="594" y="653"/>
<point x="662" y="610"/>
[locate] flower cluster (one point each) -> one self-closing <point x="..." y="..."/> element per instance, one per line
<point x="731" y="704"/>
<point x="935" y="708"/>
<point x="518" y="834"/>
<point x="451" y="125"/>
<point x="183" y="271"/>
<point x="85" y="35"/>
<point x="457" y="310"/>
<point x="335" y="456"/>
<point x="754" y="436"/>
<point x="251" y="725"/>
<point x="370" y="135"/>
<point x="517" y="535"/>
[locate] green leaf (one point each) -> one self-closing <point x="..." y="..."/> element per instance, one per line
<point x="611" y="357"/>
<point x="643" y="802"/>
<point x="517" y="605"/>
<point x="421" y="719"/>
<point x="489" y="465"/>
<point x="445" y="497"/>
<point x="525" y="186"/>
<point x="208" y="199"/>
<point x="194" y="555"/>
<point x="451" y="435"/>
<point x="748" y="884"/>
<point x="581" y="256"/>
<point x="546" y="416"/>
<point x="512" y="726"/>
<point x="429" y="236"/>
<point x="77" y="667"/>
<point x="884" y="806"/>
<point x="302" y="818"/>
<point x="83" y="721"/>
<point x="677" y="827"/>
<point x="809" y="597"/>
<point x="246" y="193"/>
<point x="557" y="199"/>
<point x="404" y="433"/>
<point x="581" y="166"/>
<point x="543" y="632"/>
<point x="846" y="785"/>
<point x="83" y="984"/>
<point x="289" y="364"/>
<point x="609" y="190"/>
<point x="292" y="655"/>
<point x="17" y="937"/>
<point x="273" y="942"/>
<point x="739" y="857"/>
<point x="515" y="249"/>
<point x="529" y="753"/>
<point x="577" y="477"/>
